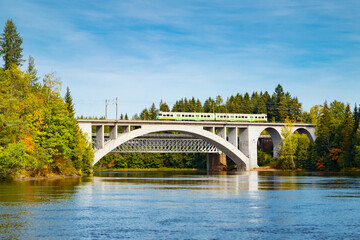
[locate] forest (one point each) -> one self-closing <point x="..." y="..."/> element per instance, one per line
<point x="39" y="135"/>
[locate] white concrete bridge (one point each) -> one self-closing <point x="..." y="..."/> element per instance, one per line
<point x="238" y="140"/>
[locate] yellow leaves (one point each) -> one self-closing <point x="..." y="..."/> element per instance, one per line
<point x="28" y="140"/>
<point x="53" y="83"/>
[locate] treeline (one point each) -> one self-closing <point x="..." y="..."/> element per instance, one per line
<point x="336" y="147"/>
<point x="153" y="160"/>
<point x="278" y="106"/>
<point x="38" y="130"/>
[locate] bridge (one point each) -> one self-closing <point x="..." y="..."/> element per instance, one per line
<point x="238" y="140"/>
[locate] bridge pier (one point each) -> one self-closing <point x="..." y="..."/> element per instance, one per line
<point x="248" y="145"/>
<point x="216" y="162"/>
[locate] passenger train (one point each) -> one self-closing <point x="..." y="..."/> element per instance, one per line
<point x="231" y="117"/>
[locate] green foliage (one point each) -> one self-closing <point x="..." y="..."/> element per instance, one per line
<point x="38" y="131"/>
<point x="264" y="158"/>
<point x="10" y="43"/>
<point x="152" y="160"/>
<point x="164" y="107"/>
<point x="288" y="147"/>
<point x="32" y="72"/>
<point x="15" y="156"/>
<point x="69" y="102"/>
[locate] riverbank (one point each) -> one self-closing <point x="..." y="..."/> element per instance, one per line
<point x="266" y="168"/>
<point x="24" y="175"/>
<point x="147" y="170"/>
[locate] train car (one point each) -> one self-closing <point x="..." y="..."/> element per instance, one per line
<point x="232" y="117"/>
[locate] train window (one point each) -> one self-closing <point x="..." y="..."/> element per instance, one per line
<point x="178" y="115"/>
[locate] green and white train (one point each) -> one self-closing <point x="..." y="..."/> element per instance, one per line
<point x="231" y="117"/>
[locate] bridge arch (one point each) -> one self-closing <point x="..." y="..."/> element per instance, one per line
<point x="309" y="134"/>
<point x="276" y="137"/>
<point x="275" y="134"/>
<point x="219" y="142"/>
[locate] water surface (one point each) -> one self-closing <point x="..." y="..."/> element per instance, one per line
<point x="183" y="205"/>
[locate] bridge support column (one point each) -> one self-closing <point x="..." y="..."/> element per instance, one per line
<point x="216" y="162"/>
<point x="248" y="145"/>
<point x="86" y="128"/>
<point x="233" y="136"/>
<point x="221" y="131"/>
<point x="100" y="137"/>
<point x="113" y="132"/>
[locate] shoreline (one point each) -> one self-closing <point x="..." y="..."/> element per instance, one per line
<point x="148" y="170"/>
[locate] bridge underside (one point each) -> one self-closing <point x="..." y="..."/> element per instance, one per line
<point x="166" y="143"/>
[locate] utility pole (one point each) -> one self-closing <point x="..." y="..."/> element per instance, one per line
<point x="116" y="108"/>
<point x="214" y="110"/>
<point x="106" y="103"/>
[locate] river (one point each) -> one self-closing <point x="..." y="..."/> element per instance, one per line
<point x="183" y="205"/>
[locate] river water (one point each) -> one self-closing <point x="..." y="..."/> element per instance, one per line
<point x="183" y="205"/>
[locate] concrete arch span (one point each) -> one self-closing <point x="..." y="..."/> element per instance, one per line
<point x="226" y="147"/>
<point x="309" y="133"/>
<point x="276" y="137"/>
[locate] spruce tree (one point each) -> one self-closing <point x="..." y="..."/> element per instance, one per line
<point x="69" y="102"/>
<point x="32" y="71"/>
<point x="152" y="112"/>
<point x="10" y="43"/>
<point x="164" y="107"/>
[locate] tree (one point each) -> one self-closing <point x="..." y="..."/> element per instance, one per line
<point x="164" y="107"/>
<point x="32" y="71"/>
<point x="288" y="146"/>
<point x="10" y="43"/>
<point x="144" y="115"/>
<point x="69" y="102"/>
<point x="346" y="157"/>
<point x="153" y="112"/>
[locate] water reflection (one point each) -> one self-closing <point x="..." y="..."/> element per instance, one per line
<point x="18" y="200"/>
<point x="178" y="205"/>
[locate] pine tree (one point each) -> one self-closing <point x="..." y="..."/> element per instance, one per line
<point x="261" y="107"/>
<point x="32" y="71"/>
<point x="199" y="107"/>
<point x="144" y="115"/>
<point x="164" y="107"/>
<point x="153" y="112"/>
<point x="246" y="106"/>
<point x="346" y="144"/>
<point x="10" y="43"/>
<point x="209" y="105"/>
<point x="69" y="102"/>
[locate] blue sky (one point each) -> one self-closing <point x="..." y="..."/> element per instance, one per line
<point x="145" y="51"/>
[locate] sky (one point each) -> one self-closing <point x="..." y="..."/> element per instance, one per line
<point x="146" y="51"/>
